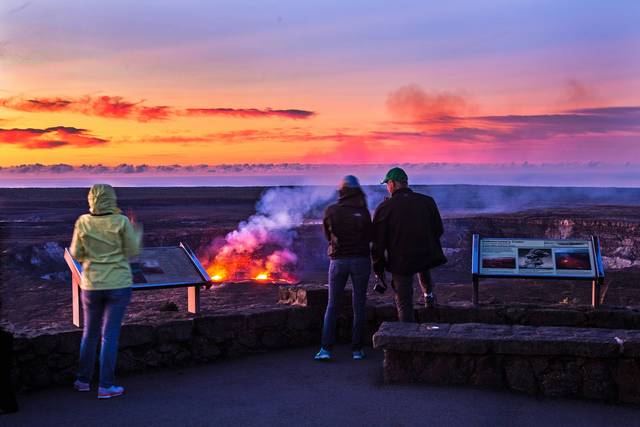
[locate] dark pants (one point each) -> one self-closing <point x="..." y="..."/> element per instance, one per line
<point x="404" y="293"/>
<point x="7" y="397"/>
<point x="103" y="313"/>
<point x="339" y="271"/>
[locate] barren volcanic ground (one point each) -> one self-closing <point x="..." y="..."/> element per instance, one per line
<point x="36" y="224"/>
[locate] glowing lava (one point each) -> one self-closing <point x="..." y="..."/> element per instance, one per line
<point x="231" y="266"/>
<point x="261" y="248"/>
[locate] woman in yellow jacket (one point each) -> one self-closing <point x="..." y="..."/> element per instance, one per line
<point x="103" y="241"/>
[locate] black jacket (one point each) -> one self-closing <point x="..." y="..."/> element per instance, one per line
<point x="407" y="226"/>
<point x="347" y="225"/>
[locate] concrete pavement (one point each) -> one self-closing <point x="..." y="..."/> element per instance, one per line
<point x="288" y="388"/>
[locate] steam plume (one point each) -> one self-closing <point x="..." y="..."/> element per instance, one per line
<point x="260" y="248"/>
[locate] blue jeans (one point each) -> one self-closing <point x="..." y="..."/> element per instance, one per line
<point x="103" y="312"/>
<point x="339" y="271"/>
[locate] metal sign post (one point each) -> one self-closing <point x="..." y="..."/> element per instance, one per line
<point x="555" y="259"/>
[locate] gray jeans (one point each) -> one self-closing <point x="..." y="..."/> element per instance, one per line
<point x="404" y="293"/>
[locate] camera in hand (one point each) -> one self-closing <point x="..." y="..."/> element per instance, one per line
<point x="380" y="286"/>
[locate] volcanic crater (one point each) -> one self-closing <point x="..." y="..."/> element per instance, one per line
<point x="36" y="226"/>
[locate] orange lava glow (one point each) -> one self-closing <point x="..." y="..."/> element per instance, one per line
<point x="242" y="268"/>
<point x="262" y="276"/>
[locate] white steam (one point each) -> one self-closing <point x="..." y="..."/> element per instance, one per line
<point x="264" y="240"/>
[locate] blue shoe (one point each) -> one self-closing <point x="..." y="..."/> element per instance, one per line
<point x="323" y="355"/>
<point x="358" y="355"/>
<point x="109" y="392"/>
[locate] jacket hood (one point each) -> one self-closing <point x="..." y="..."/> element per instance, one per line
<point x="102" y="200"/>
<point x="350" y="196"/>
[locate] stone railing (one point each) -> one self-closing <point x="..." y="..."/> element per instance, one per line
<point x="44" y="360"/>
<point x="47" y="359"/>
<point x="600" y="364"/>
<point x="379" y="311"/>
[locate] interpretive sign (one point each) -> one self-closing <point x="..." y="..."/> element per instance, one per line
<point x="576" y="259"/>
<point x="530" y="257"/>
<point x="155" y="268"/>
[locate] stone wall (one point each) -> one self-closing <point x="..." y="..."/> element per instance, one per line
<point x="43" y="360"/>
<point x="379" y="311"/>
<point x="600" y="364"/>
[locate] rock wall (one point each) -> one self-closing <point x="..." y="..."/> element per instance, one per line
<point x="43" y="360"/>
<point x="590" y="378"/>
<point x="599" y="364"/>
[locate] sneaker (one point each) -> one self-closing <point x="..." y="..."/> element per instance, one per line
<point x="358" y="355"/>
<point x="323" y="355"/>
<point x="109" y="392"/>
<point x="81" y="386"/>
<point x="430" y="300"/>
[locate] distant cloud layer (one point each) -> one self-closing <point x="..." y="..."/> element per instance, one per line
<point x="118" y="108"/>
<point x="52" y="137"/>
<point x="523" y="173"/>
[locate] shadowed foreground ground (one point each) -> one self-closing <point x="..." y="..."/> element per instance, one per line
<point x="289" y="388"/>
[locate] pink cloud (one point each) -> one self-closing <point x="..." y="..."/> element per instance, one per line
<point x="52" y="137"/>
<point x="250" y="112"/>
<point x="411" y="102"/>
<point x="119" y="108"/>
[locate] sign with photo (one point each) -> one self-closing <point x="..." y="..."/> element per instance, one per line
<point x="536" y="257"/>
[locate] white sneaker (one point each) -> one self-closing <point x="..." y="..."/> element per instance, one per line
<point x="109" y="392"/>
<point x="323" y="354"/>
<point x="81" y="386"/>
<point x="358" y="355"/>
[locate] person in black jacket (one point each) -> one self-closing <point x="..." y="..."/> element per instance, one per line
<point x="347" y="227"/>
<point x="406" y="241"/>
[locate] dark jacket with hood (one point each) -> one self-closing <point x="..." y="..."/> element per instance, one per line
<point x="407" y="227"/>
<point x="347" y="225"/>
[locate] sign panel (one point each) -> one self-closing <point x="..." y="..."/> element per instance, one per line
<point x="163" y="265"/>
<point x="154" y="268"/>
<point x="168" y="266"/>
<point x="536" y="257"/>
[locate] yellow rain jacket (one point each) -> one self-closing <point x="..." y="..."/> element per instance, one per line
<point x="103" y="241"/>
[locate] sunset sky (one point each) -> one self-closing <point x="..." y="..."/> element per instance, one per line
<point x="331" y="82"/>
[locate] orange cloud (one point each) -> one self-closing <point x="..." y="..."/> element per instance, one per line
<point x="177" y="139"/>
<point x="159" y="112"/>
<point x="103" y="106"/>
<point x="250" y="112"/>
<point x="240" y="136"/>
<point x="119" y="108"/>
<point x="52" y="137"/>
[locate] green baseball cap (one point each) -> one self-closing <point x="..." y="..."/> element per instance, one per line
<point x="395" y="174"/>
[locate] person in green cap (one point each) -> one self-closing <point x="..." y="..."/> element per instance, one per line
<point x="406" y="241"/>
<point x="103" y="241"/>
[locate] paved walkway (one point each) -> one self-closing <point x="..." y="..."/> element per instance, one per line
<point x="288" y="388"/>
